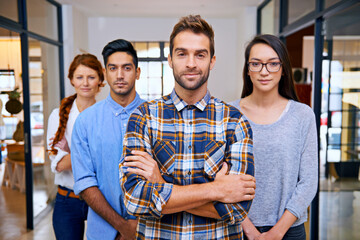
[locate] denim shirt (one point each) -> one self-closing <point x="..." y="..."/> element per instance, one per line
<point x="97" y="143"/>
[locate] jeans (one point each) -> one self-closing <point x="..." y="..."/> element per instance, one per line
<point x="294" y="233"/>
<point x="69" y="218"/>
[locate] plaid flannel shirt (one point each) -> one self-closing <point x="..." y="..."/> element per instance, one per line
<point x="190" y="144"/>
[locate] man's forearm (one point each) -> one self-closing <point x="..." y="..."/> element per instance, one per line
<point x="96" y="200"/>
<point x="188" y="197"/>
<point x="207" y="210"/>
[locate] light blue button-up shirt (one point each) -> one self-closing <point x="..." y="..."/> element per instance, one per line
<point x="96" y="150"/>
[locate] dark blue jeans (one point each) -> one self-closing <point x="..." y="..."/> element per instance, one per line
<point x="294" y="233"/>
<point x="69" y="218"/>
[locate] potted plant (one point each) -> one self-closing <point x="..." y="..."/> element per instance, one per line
<point x="14" y="106"/>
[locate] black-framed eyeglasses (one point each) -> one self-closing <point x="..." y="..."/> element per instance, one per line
<point x="270" y="66"/>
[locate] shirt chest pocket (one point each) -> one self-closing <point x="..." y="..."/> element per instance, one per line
<point x="164" y="153"/>
<point x="214" y="157"/>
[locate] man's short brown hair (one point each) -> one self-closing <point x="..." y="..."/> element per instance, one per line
<point x="195" y="24"/>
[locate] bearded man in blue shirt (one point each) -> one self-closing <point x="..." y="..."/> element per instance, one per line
<point x="97" y="146"/>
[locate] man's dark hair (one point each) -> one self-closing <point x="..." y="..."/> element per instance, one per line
<point x="195" y="24"/>
<point x="119" y="45"/>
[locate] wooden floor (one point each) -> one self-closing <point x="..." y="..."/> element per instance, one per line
<point x="13" y="216"/>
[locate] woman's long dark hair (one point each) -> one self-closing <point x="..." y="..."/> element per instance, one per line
<point x="286" y="84"/>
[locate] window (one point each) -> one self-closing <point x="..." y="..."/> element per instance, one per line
<point x="156" y="77"/>
<point x="298" y="9"/>
<point x="7" y="79"/>
<point x="9" y="9"/>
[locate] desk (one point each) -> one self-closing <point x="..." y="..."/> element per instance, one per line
<point x="14" y="175"/>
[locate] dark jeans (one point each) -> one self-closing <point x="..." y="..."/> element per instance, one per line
<point x="294" y="233"/>
<point x="69" y="218"/>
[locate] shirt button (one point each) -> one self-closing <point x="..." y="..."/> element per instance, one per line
<point x="189" y="172"/>
<point x="189" y="146"/>
<point x="190" y="123"/>
<point x="190" y="221"/>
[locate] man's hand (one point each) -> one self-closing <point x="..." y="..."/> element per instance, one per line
<point x="96" y="200"/>
<point x="141" y="163"/>
<point x="128" y="231"/>
<point x="234" y="188"/>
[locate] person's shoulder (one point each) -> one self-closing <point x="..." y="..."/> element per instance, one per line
<point x="155" y="102"/>
<point x="235" y="103"/>
<point x="303" y="113"/>
<point x="92" y="111"/>
<point x="231" y="109"/>
<point x="55" y="111"/>
<point x="54" y="114"/>
<point x="301" y="109"/>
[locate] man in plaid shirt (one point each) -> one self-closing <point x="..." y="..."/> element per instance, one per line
<point x="202" y="184"/>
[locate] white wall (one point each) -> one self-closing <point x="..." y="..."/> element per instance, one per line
<point x="231" y="35"/>
<point x="75" y="29"/>
<point x="91" y="34"/>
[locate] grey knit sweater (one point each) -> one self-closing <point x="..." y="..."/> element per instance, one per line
<point x="286" y="165"/>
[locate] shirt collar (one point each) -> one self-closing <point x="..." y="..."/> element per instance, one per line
<point x="181" y="104"/>
<point x="74" y="107"/>
<point x="117" y="108"/>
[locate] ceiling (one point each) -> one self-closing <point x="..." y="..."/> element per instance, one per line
<point x="160" y="8"/>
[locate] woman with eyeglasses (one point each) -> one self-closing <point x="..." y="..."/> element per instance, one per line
<point x="285" y="143"/>
<point x="70" y="212"/>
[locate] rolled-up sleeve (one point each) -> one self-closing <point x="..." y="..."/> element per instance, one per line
<point x="241" y="159"/>
<point x="81" y="161"/>
<point x="141" y="197"/>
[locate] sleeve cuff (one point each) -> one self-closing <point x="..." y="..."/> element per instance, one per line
<point x="56" y="159"/>
<point x="165" y="193"/>
<point x="233" y="213"/>
<point x="225" y="212"/>
<point x="164" y="190"/>
<point x="293" y="212"/>
<point x="84" y="183"/>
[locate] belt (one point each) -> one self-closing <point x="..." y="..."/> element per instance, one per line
<point x="67" y="193"/>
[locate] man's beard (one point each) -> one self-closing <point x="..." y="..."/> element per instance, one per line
<point x="198" y="84"/>
<point x="123" y="92"/>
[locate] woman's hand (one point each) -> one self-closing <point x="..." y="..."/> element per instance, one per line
<point x="250" y="230"/>
<point x="270" y="235"/>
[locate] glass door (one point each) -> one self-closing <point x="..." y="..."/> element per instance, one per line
<point x="340" y="128"/>
<point x="44" y="97"/>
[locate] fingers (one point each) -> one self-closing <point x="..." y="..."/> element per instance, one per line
<point x="247" y="197"/>
<point x="135" y="159"/>
<point x="142" y="154"/>
<point x="223" y="170"/>
<point x="249" y="191"/>
<point x="138" y="171"/>
<point x="136" y="164"/>
<point x="247" y="177"/>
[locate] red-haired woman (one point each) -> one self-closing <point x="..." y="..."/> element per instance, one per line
<point x="70" y="212"/>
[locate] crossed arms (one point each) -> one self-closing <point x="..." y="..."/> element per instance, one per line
<point x="227" y="196"/>
<point x="196" y="198"/>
